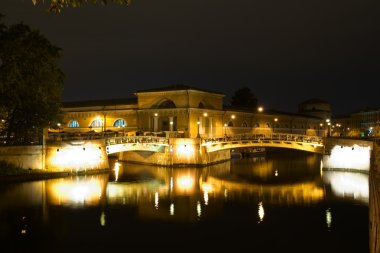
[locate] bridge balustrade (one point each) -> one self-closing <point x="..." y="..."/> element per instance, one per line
<point x="137" y="140"/>
<point x="266" y="137"/>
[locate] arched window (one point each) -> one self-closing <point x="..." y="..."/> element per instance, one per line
<point x="97" y="123"/>
<point x="244" y="124"/>
<point x="201" y="105"/>
<point x="119" y="123"/>
<point x="267" y="124"/>
<point x="257" y="124"/>
<point x="73" y="123"/>
<point x="166" y="104"/>
<point x="230" y="124"/>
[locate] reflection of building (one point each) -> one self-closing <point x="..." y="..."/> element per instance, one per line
<point x="184" y="112"/>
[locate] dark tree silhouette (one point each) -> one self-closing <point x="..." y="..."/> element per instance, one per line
<point x="30" y="83"/>
<point x="244" y="98"/>
<point x="58" y="5"/>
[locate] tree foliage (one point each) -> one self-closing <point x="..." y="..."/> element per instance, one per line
<point x="30" y="83"/>
<point x="58" y="5"/>
<point x="244" y="98"/>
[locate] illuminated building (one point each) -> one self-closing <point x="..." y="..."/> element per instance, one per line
<point x="182" y="111"/>
<point x="361" y="124"/>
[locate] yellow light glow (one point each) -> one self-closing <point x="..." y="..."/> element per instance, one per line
<point x="207" y="187"/>
<point x="348" y="184"/>
<point x="328" y="218"/>
<point x="156" y="114"/>
<point x="171" y="209"/>
<point x="275" y="119"/>
<point x="77" y="192"/>
<point x="185" y="149"/>
<point x="232" y="116"/>
<point x="77" y="157"/>
<point x="116" y="169"/>
<point x="199" y="209"/>
<point x="205" y="197"/>
<point x="103" y="219"/>
<point x="344" y="157"/>
<point x="205" y="114"/>
<point x="156" y="200"/>
<point x="261" y="212"/>
<point x="185" y="183"/>
<point x="260" y="109"/>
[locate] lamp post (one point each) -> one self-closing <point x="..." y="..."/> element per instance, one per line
<point x="198" y="123"/>
<point x="123" y="129"/>
<point x="328" y="127"/>
<point x="225" y="130"/>
<point x="274" y="124"/>
<point x="232" y="118"/>
<point x="319" y="129"/>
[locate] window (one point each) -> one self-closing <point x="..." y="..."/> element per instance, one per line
<point x="244" y="124"/>
<point x="257" y="124"/>
<point x="73" y="123"/>
<point x="267" y="124"/>
<point x="97" y="123"/>
<point x="119" y="123"/>
<point x="230" y="124"/>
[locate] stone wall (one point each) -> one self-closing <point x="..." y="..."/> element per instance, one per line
<point x="26" y="157"/>
<point x="77" y="155"/>
<point x="374" y="201"/>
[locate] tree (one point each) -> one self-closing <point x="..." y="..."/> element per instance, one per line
<point x="30" y="83"/>
<point x="57" y="5"/>
<point x="244" y="98"/>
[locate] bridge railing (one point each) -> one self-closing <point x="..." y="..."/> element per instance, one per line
<point x="136" y="139"/>
<point x="266" y="137"/>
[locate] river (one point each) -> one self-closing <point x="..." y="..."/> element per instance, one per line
<point x="280" y="202"/>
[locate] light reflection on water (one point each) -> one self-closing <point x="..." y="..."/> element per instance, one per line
<point x="268" y="186"/>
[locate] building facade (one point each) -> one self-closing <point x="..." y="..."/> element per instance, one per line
<point x="183" y="111"/>
<point x="363" y="124"/>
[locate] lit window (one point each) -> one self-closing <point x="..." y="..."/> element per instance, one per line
<point x="97" y="123"/>
<point x="73" y="123"/>
<point x="120" y="123"/>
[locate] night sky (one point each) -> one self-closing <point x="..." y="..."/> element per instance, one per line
<point x="285" y="51"/>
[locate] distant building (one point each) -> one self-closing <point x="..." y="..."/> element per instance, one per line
<point x="183" y="111"/>
<point x="316" y="107"/>
<point x="362" y="124"/>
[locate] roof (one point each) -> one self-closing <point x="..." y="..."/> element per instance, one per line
<point x="108" y="102"/>
<point x="177" y="87"/>
<point x="315" y="101"/>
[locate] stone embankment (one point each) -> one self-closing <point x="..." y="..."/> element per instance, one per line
<point x="374" y="200"/>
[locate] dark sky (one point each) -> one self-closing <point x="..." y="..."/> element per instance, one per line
<point x="285" y="51"/>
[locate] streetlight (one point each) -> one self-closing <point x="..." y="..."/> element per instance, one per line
<point x="260" y="109"/>
<point x="225" y="130"/>
<point x="319" y="129"/>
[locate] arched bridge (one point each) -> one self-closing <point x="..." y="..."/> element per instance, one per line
<point x="272" y="140"/>
<point x="276" y="140"/>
